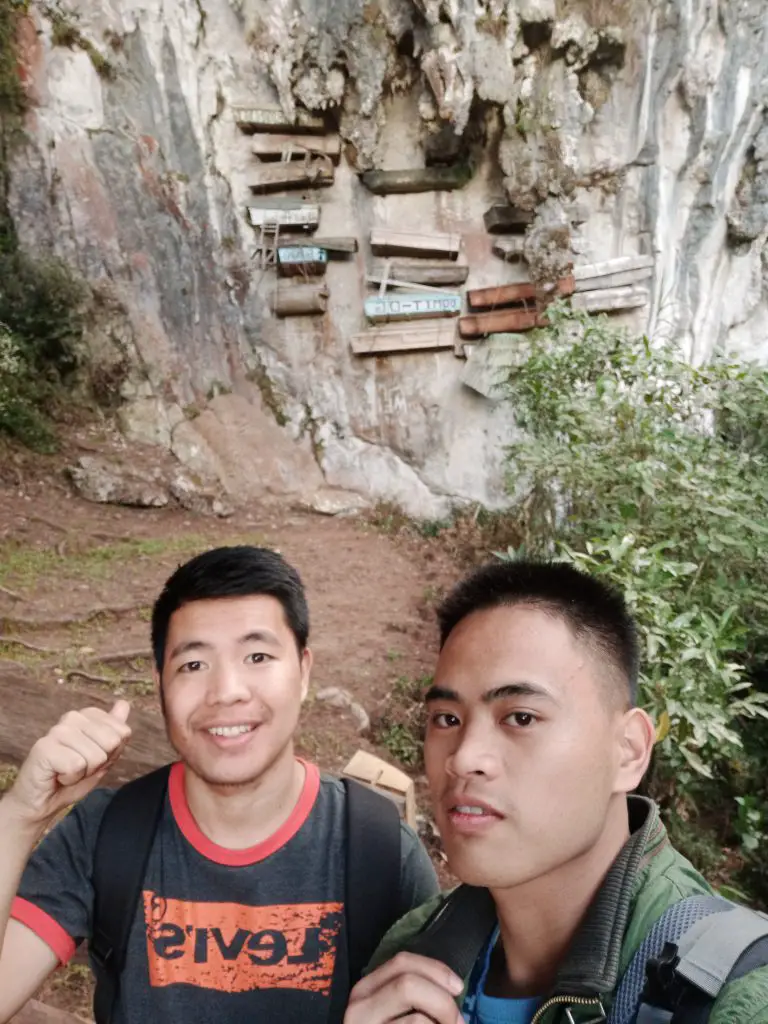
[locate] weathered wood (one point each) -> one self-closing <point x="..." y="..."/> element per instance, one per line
<point x="510" y="248"/>
<point x="610" y="300"/>
<point x="300" y="299"/>
<point x="30" y="708"/>
<point x="300" y="260"/>
<point x="273" y="119"/>
<point x="340" y="246"/>
<point x="438" y="273"/>
<point x="277" y="147"/>
<point x="291" y="174"/>
<point x="502" y="218"/>
<point x="621" y="280"/>
<point x="406" y="306"/>
<point x="35" y="1012"/>
<point x="476" y="325"/>
<point x="419" y="179"/>
<point x="437" y="335"/>
<point x="385" y="242"/>
<point x="306" y="216"/>
<point x="617" y="265"/>
<point x="510" y="294"/>
<point x="489" y="364"/>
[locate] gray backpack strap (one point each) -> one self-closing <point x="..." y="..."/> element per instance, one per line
<point x="710" y="950"/>
<point x="696" y="946"/>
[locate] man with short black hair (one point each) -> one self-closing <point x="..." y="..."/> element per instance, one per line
<point x="572" y="891"/>
<point x="240" y="884"/>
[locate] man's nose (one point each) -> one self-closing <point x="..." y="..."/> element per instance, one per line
<point x="475" y="752"/>
<point x="228" y="685"/>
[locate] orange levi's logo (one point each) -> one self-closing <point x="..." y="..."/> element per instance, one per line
<point x="229" y="947"/>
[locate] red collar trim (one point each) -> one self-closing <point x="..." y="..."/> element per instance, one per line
<point x="253" y="854"/>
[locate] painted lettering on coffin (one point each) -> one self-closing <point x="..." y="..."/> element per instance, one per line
<point x="230" y="947"/>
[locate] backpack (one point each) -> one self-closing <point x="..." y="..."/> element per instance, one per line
<point x="696" y="947"/>
<point x="122" y="851"/>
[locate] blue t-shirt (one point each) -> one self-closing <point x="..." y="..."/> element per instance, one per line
<point x="479" y="1008"/>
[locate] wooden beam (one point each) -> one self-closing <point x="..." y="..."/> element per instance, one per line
<point x="510" y="294"/>
<point x="620" y="280"/>
<point x="272" y="119"/>
<point x="618" y="265"/>
<point x="385" y="242"/>
<point x="300" y="299"/>
<point x="476" y="325"/>
<point x="438" y="273"/>
<point x="440" y="334"/>
<point x="420" y="179"/>
<point x="31" y="708"/>
<point x="292" y="174"/>
<point x="610" y="300"/>
<point x="412" y="306"/>
<point x="277" y="147"/>
<point x="340" y="245"/>
<point x="301" y="260"/>
<point x="502" y="218"/>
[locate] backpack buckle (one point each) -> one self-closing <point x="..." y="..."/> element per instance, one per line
<point x="592" y="1020"/>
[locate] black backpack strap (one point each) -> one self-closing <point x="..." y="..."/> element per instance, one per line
<point x="459" y="929"/>
<point x="122" y="849"/>
<point x="372" y="897"/>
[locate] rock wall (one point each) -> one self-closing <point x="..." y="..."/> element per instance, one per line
<point x="628" y="126"/>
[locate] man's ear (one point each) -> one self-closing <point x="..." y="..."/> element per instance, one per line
<point x="636" y="736"/>
<point x="306" y="670"/>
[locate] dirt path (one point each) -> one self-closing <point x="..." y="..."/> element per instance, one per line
<point x="77" y="581"/>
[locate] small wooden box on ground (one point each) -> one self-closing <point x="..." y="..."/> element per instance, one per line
<point x="301" y="260"/>
<point x="435" y="334"/>
<point x="419" y="179"/>
<point x="385" y="242"/>
<point x="373" y="772"/>
<point x="412" y="306"/>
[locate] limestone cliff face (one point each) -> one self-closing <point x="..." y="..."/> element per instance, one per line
<point x="629" y="126"/>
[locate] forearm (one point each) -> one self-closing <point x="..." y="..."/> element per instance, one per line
<point x="18" y="838"/>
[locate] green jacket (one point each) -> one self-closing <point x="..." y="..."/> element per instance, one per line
<point x="646" y="878"/>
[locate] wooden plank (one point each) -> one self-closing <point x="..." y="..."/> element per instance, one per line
<point x="385" y="281"/>
<point x="340" y="246"/>
<point x="385" y="242"/>
<point x="305" y="216"/>
<point x="412" y="306"/>
<point x="419" y="179"/>
<point x="31" y="708"/>
<point x="503" y="218"/>
<point x="476" y="325"/>
<point x="273" y="119"/>
<point x="618" y="265"/>
<point x="439" y="334"/>
<point x="298" y="260"/>
<point x="438" y="273"/>
<point x="298" y="146"/>
<point x="293" y="174"/>
<point x="621" y="280"/>
<point x="510" y="248"/>
<point x="300" y="299"/>
<point x="510" y="294"/>
<point x="610" y="300"/>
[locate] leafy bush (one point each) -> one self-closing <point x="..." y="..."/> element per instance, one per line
<point x="20" y="398"/>
<point x="653" y="473"/>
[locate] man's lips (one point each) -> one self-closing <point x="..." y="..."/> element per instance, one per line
<point x="468" y="814"/>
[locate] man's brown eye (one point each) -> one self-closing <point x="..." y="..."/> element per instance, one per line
<point x="521" y="718"/>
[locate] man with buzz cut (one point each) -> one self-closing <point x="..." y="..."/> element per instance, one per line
<point x="575" y="908"/>
<point x="239" y="884"/>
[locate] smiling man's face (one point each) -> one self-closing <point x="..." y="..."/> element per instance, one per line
<point x="233" y="682"/>
<point x="524" y="746"/>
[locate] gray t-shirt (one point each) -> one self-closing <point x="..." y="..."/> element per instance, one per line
<point x="232" y="935"/>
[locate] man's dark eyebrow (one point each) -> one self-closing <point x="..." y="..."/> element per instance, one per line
<point x="497" y="693"/>
<point x="260" y="636"/>
<point x="189" y="645"/>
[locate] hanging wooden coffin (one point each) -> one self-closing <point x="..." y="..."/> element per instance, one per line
<point x="294" y="147"/>
<point x="306" y="216"/>
<point x="501" y="218"/>
<point x="300" y="299"/>
<point x="610" y="300"/>
<point x="301" y="260"/>
<point x="274" y="177"/>
<point x="385" y="242"/>
<point x="412" y="306"/>
<point x="272" y="119"/>
<point x="510" y="248"/>
<point x="437" y="273"/>
<point x="509" y="294"/>
<point x="439" y="334"/>
<point x="421" y="179"/>
<point x="476" y="325"/>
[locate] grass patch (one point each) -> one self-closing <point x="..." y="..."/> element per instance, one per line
<point x="400" y="726"/>
<point x="8" y="773"/>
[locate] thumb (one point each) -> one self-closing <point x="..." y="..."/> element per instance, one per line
<point x="121" y="710"/>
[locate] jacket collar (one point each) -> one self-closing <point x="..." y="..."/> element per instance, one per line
<point x="592" y="964"/>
